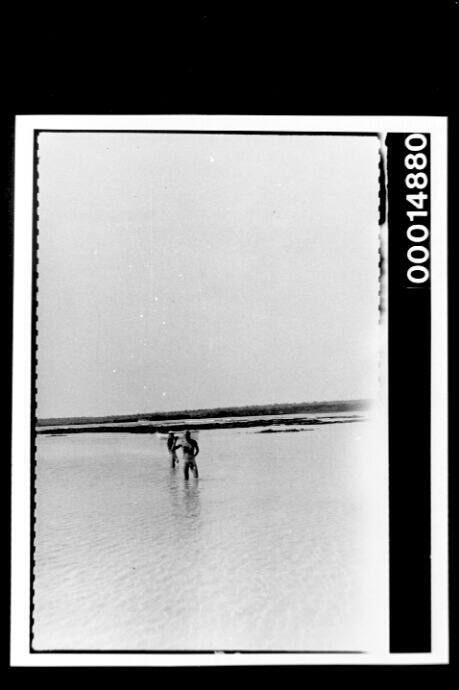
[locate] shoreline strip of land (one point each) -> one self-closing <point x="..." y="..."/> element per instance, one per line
<point x="299" y="414"/>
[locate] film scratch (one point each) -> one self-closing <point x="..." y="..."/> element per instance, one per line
<point x="229" y="391"/>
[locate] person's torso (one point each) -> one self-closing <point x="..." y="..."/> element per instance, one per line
<point x="188" y="448"/>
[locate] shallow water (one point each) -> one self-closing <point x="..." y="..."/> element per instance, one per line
<point x="269" y="549"/>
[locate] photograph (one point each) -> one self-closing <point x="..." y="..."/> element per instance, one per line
<point x="210" y="405"/>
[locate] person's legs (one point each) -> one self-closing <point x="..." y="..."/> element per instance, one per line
<point x="186" y="469"/>
<point x="195" y="467"/>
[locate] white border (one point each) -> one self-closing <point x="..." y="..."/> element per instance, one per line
<point x="25" y="126"/>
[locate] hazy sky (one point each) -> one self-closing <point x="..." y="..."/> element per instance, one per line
<point x="199" y="270"/>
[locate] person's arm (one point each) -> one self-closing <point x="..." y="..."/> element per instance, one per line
<point x="196" y="449"/>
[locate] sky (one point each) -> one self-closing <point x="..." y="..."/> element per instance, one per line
<point x="180" y="271"/>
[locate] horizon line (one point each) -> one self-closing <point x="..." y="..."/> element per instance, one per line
<point x="222" y="408"/>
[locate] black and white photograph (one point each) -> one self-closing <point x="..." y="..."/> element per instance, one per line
<point x="209" y="449"/>
<point x="207" y="386"/>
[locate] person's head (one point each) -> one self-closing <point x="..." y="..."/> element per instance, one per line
<point x="187" y="435"/>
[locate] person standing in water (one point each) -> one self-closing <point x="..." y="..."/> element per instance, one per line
<point x="172" y="447"/>
<point x="190" y="451"/>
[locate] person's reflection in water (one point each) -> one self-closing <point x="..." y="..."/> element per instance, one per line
<point x="192" y="502"/>
<point x="174" y="493"/>
<point x="185" y="500"/>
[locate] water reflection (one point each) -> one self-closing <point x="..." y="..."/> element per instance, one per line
<point x="184" y="495"/>
<point x="173" y="490"/>
<point x="192" y="499"/>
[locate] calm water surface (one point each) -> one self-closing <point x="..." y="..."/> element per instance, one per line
<point x="268" y="549"/>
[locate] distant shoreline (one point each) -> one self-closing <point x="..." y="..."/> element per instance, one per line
<point x="202" y="413"/>
<point x="218" y="418"/>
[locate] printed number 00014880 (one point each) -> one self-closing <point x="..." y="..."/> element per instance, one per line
<point x="417" y="253"/>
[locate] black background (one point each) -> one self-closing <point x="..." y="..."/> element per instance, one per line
<point x="329" y="59"/>
<point x="409" y="423"/>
